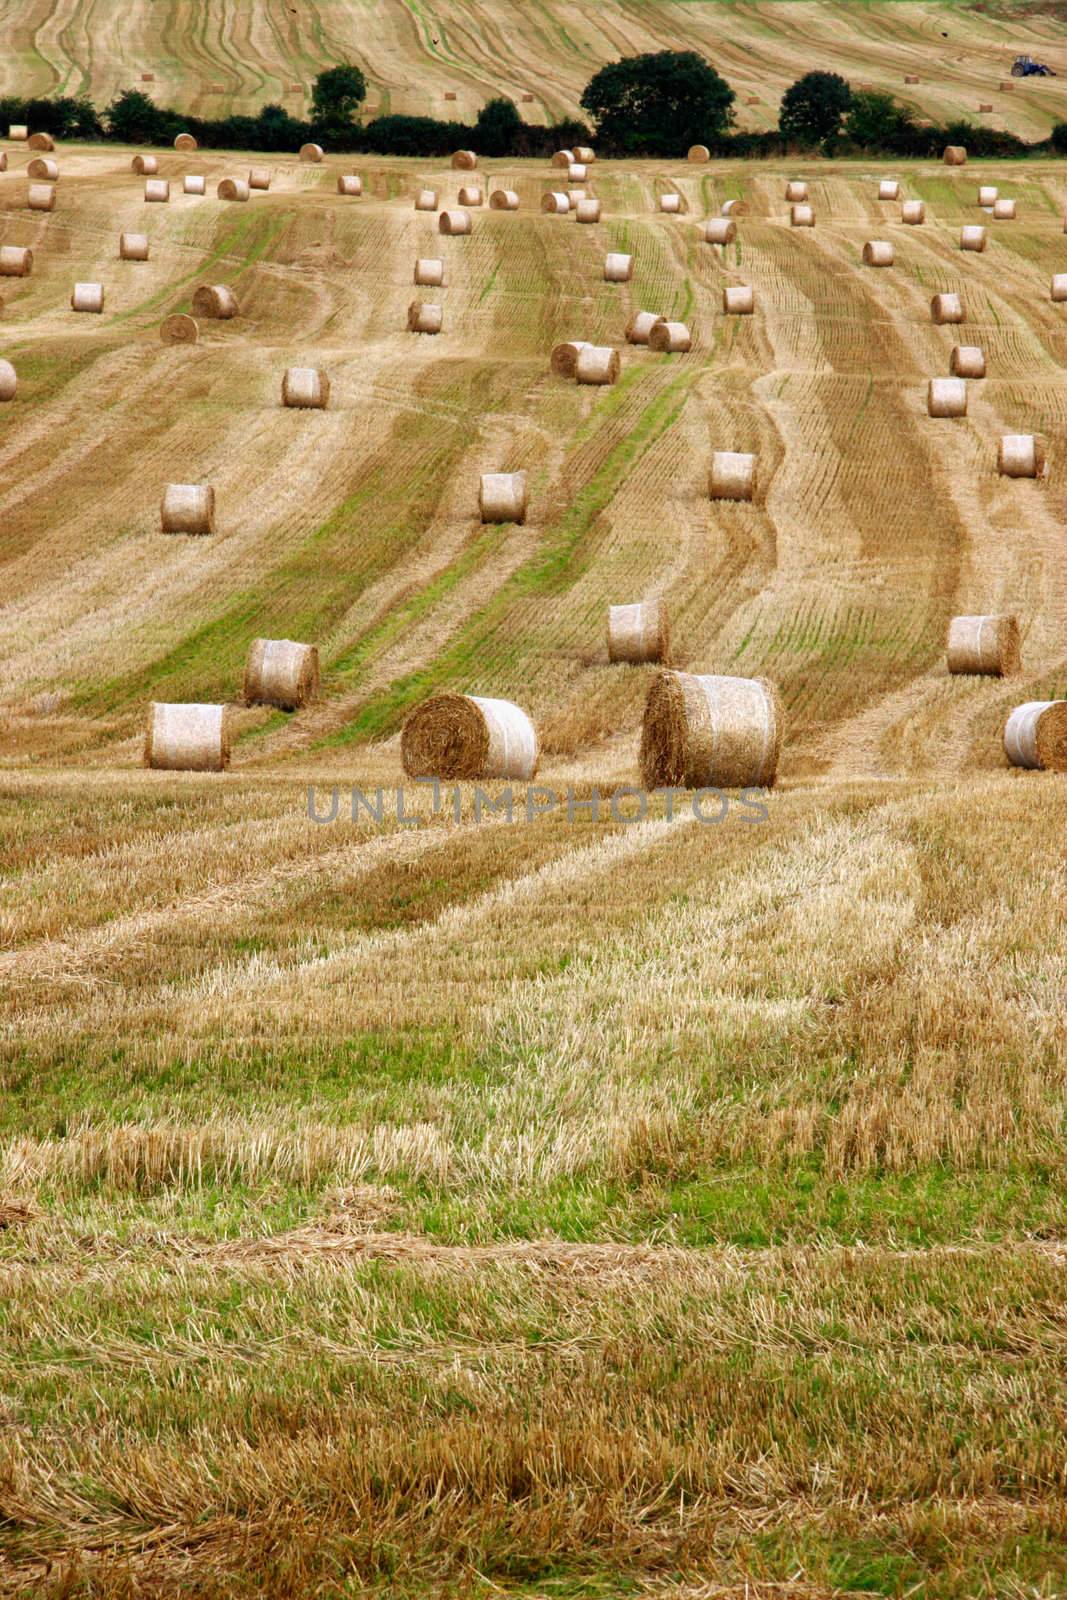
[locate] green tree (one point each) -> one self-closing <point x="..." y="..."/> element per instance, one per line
<point x="133" y="118"/>
<point x="812" y="108"/>
<point x="658" y="104"/>
<point x="875" y="121"/>
<point x="498" y="128"/>
<point x="338" y="94"/>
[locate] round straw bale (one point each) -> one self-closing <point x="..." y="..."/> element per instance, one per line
<point x="670" y="338"/>
<point x="8" y="381"/>
<point x="984" y="106"/>
<point x="430" y="272"/>
<point x="188" y="508"/>
<point x="215" y="300"/>
<point x="1005" y="211"/>
<point x="796" y="190"/>
<point x="720" y="230"/>
<point x="45" y="168"/>
<point x="133" y="247"/>
<point x="233" y="189"/>
<point x="587" y="211"/>
<point x="946" y="397"/>
<point x="450" y="94"/>
<point x="179" y="329"/>
<point x="157" y="189"/>
<point x="454" y="223"/>
<point x="3" y="160"/>
<point x="738" y="300"/>
<point x="955" y="155"/>
<point x="733" y="475"/>
<point x="556" y="202"/>
<point x="41" y="197"/>
<point x="946" y="308"/>
<point x="306" y="389"/>
<point x="698" y="152"/>
<point x="988" y="194"/>
<point x="640" y="326"/>
<point x="528" y="99"/>
<point x="282" y="673"/>
<point x="15" y="261"/>
<point x="1021" y="455"/>
<point x="710" y="732"/>
<point x="187" y="738"/>
<point x="564" y="359"/>
<point x="671" y="203"/>
<point x="41" y="141"/>
<point x="426" y="200"/>
<point x="424" y="317"/>
<point x="464" y="161"/>
<point x="311" y="152"/>
<point x="563" y="158"/>
<point x="349" y="183"/>
<point x="878" y="253"/>
<point x="1035" y="736"/>
<point x="584" y="153"/>
<point x="502" y="497"/>
<point x="577" y="172"/>
<point x="889" y="189"/>
<point x="459" y="736"/>
<point x="145" y="165"/>
<point x="185" y="141"/>
<point x="618" y="268"/>
<point x="471" y="194"/>
<point x="1006" y="86"/>
<point x="259" y="178"/>
<point x="18" y="131"/>
<point x="802" y="217"/>
<point x="913" y="211"/>
<point x="733" y="208"/>
<point x="967" y="361"/>
<point x="985" y="645"/>
<point x="597" y="364"/>
<point x="194" y="183"/>
<point x="911" y="77"/>
<point x="639" y="632"/>
<point x="87" y="297"/>
<point x="503" y="200"/>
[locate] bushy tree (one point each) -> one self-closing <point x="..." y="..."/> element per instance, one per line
<point x="338" y="94"/>
<point x="498" y="128"/>
<point x="875" y="121"/>
<point x="133" y="118"/>
<point x="812" y="108"/>
<point x="658" y="104"/>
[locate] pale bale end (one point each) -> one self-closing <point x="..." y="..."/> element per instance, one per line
<point x="426" y="200"/>
<point x="259" y="178"/>
<point x="471" y="194"/>
<point x="18" y="132"/>
<point x="738" y="300"/>
<point x="986" y="646"/>
<point x="188" y="508"/>
<point x="913" y="212"/>
<point x="156" y="189"/>
<point x="311" y="153"/>
<point x="460" y="737"/>
<point x="720" y="230"/>
<point x="41" y="141"/>
<point x="967" y="361"/>
<point x="672" y="203"/>
<point x="503" y="200"/>
<point x="698" y="152"/>
<point x="454" y="223"/>
<point x="430" y="272"/>
<point x="1005" y="211"/>
<point x="502" y="497"/>
<point x="464" y="161"/>
<point x="187" y="738"/>
<point x="587" y="211"/>
<point x="350" y="183"/>
<point x="889" y="189"/>
<point x="15" y="261"/>
<point x="802" y="217"/>
<point x="1035" y="736"/>
<point x="194" y="183"/>
<point x="946" y="308"/>
<point x="733" y="475"/>
<point x="878" y="253"/>
<point x="305" y="388"/>
<point x="1021" y="455"/>
<point x="133" y="247"/>
<point x="215" y="300"/>
<point x="145" y="166"/>
<point x="87" y="297"/>
<point x="640" y="326"/>
<point x="577" y="172"/>
<point x="796" y="190"/>
<point x="597" y="364"/>
<point x="556" y="203"/>
<point x="670" y="338"/>
<point x="233" y="189"/>
<point x="709" y="732"/>
<point x="424" y="317"/>
<point x="1058" y="290"/>
<point x="639" y="633"/>
<point x="179" y="329"/>
<point x="946" y="397"/>
<point x="955" y="155"/>
<point x="185" y="141"/>
<point x="41" y="197"/>
<point x="618" y="268"/>
<point x="988" y="194"/>
<point x="46" y="168"/>
<point x="8" y="381"/>
<point x="281" y="673"/>
<point x="564" y="358"/>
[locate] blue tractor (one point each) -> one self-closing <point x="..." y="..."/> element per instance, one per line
<point x="1027" y="67"/>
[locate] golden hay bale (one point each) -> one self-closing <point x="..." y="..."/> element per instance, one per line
<point x="179" y="329"/>
<point x="577" y="172"/>
<point x="41" y="141"/>
<point x="305" y="389"/>
<point x="461" y="736"/>
<point x="282" y="673"/>
<point x="1021" y="455"/>
<point x="15" y="261"/>
<point x="311" y="152"/>
<point x="988" y="194"/>
<point x="967" y="361"/>
<point x="3" y="160"/>
<point x="454" y="223"/>
<point x="670" y="338"/>
<point x="156" y="189"/>
<point x="194" y="183"/>
<point x="733" y="475"/>
<point x="889" y="189"/>
<point x="733" y="208"/>
<point x="87" y="297"/>
<point x="946" y="308"/>
<point x="215" y="300"/>
<point x="639" y="633"/>
<point x="233" y="189"/>
<point x="618" y="268"/>
<point x="911" y="77"/>
<point x="795" y="190"/>
<point x="988" y="646"/>
<point x="503" y="200"/>
<point x="710" y="732"/>
<point x="878" y="253"/>
<point x="955" y="155"/>
<point x="913" y="211"/>
<point x="1006" y="86"/>
<point x="45" y="168"/>
<point x="802" y="217"/>
<point x="188" y="508"/>
<point x="597" y="364"/>
<point x="187" y="738"/>
<point x="738" y="300"/>
<point x="430" y="272"/>
<point x="133" y="247"/>
<point x="424" y="317"/>
<point x="145" y="166"/>
<point x="464" y="161"/>
<point x="148" y="77"/>
<point x="698" y="152"/>
<point x="640" y="326"/>
<point x="1005" y="211"/>
<point x="528" y="99"/>
<point x="946" y="397"/>
<point x="426" y="200"/>
<point x="720" y="230"/>
<point x="1035" y="736"/>
<point x="450" y="94"/>
<point x="984" y="106"/>
<point x="41" y="197"/>
<point x="584" y="153"/>
<point x="471" y="194"/>
<point x="752" y="100"/>
<point x="972" y="236"/>
<point x="557" y="203"/>
<point x="259" y="178"/>
<point x="18" y="132"/>
<point x="185" y="141"/>
<point x="563" y="158"/>
<point x="8" y="381"/>
<point x="564" y="358"/>
<point x="1058" y="289"/>
<point x="587" y="211"/>
<point x="350" y="183"/>
<point x="502" y="497"/>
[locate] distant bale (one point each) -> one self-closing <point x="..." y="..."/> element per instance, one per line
<point x="426" y="200"/>
<point x="3" y="160"/>
<point x="1005" y="210"/>
<point x="802" y="217"/>
<point x="913" y="211"/>
<point x="179" y="329"/>
<point x="584" y="153"/>
<point x="148" y="77"/>
<point x="528" y="99"/>
<point x="188" y="508"/>
<point x="587" y="211"/>
<point x="503" y="200"/>
<point x="424" y="317"/>
<point x="194" y="183"/>
<point x="556" y="203"/>
<point x="464" y="161"/>
<point x="185" y="141"/>
<point x="720" y="230"/>
<point x="946" y="308"/>
<point x="305" y="389"/>
<point x="41" y="197"/>
<point x="640" y="326"/>
<point x="18" y="132"/>
<point x="946" y="397"/>
<point x="454" y="223"/>
<point x="698" y="152"/>
<point x="450" y="94"/>
<point x="430" y="272"/>
<point x="752" y="100"/>
<point x="41" y="141"/>
<point x="733" y="475"/>
<point x="878" y="253"/>
<point x="738" y="300"/>
<point x="564" y="358"/>
<point x="16" y="261"/>
<point x="733" y="208"/>
<point x="1058" y="289"/>
<point x="233" y="189"/>
<point x="796" y="190"/>
<point x="133" y="247"/>
<point x="1021" y="455"/>
<point x="710" y="732"/>
<point x="911" y="77"/>
<point x="349" y="183"/>
<point x="955" y="155"/>
<point x="502" y="497"/>
<point x="967" y="361"/>
<point x="670" y="338"/>
<point x="597" y="364"/>
<point x="577" y="172"/>
<point x="156" y="189"/>
<point x="215" y="300"/>
<point x="1035" y="736"/>
<point x="618" y="268"/>
<point x="460" y="736"/>
<point x="8" y="381"/>
<point x="984" y="106"/>
<point x="672" y="203"/>
<point x="44" y="167"/>
<point x="87" y="297"/>
<point x="471" y="194"/>
<point x="1006" y="86"/>
<point x="563" y="159"/>
<point x="282" y="673"/>
<point x="889" y="189"/>
<point x="988" y="193"/>
<point x="987" y="646"/>
<point x="639" y="633"/>
<point x="145" y="166"/>
<point x="187" y="738"/>
<point x="311" y="153"/>
<point x="259" y="178"/>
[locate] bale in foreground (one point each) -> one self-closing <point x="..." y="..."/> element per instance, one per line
<point x="305" y="388"/>
<point x="564" y="358"/>
<point x="187" y="738"/>
<point x="1021" y="455"/>
<point x="638" y="633"/>
<point x="460" y="736"/>
<point x="188" y="508"/>
<point x="282" y="673"/>
<point x="988" y="646"/>
<point x="710" y="732"/>
<point x="502" y="497"/>
<point x="1035" y="736"/>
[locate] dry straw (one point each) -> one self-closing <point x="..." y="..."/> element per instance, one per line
<point x="282" y="673"/>
<point x="639" y="633"/>
<point x="16" y="261"/>
<point x="502" y="497"/>
<point x="215" y="300"/>
<point x="349" y="183"/>
<point x="87" y="297"/>
<point x="454" y="223"/>
<point x="426" y="200"/>
<point x="738" y="300"/>
<point x="41" y="141"/>
<point x="187" y="738"/>
<point x="8" y="381"/>
<point x="45" y="168"/>
<point x="1005" y="211"/>
<point x="988" y="193"/>
<point x="955" y="155"/>
<point x="563" y="159"/>
<point x="145" y="166"/>
<point x="889" y="189"/>
<point x="425" y="317"/>
<point x="259" y="178"/>
<point x="305" y="389"/>
<point x="564" y="359"/>
<point x="503" y="200"/>
<point x="972" y="236"/>
<point x="967" y="361"/>
<point x="1021" y="455"/>
<point x="671" y="203"/>
<point x="430" y="272"/>
<point x="988" y="646"/>
<point x="698" y="152"/>
<point x="670" y="338"/>
<point x="464" y="161"/>
<point x="597" y="364"/>
<point x="461" y="736"/>
<point x="640" y="326"/>
<point x="733" y="475"/>
<point x="913" y="212"/>
<point x="233" y="189"/>
<point x="41" y="197"/>
<point x="156" y="190"/>
<point x="802" y="217"/>
<point x="179" y="329"/>
<point x="878" y="253"/>
<point x="1035" y="736"/>
<point x="311" y="153"/>
<point x="194" y="183"/>
<point x="720" y="230"/>
<point x="710" y="732"/>
<point x="796" y="190"/>
<point x="946" y="397"/>
<point x="185" y="141"/>
<point x="188" y="508"/>
<point x="133" y="247"/>
<point x="587" y="211"/>
<point x="946" y="308"/>
<point x="618" y="268"/>
<point x="556" y="203"/>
